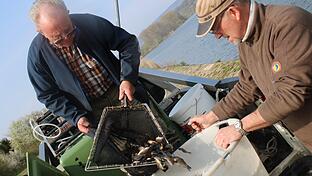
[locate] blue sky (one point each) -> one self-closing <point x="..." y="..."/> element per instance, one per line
<point x="17" y="97"/>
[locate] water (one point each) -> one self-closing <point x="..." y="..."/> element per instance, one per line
<point x="183" y="46"/>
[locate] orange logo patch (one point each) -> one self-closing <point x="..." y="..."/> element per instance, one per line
<point x="276" y="66"/>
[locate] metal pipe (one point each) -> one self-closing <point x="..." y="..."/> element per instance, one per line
<point x="117" y="12"/>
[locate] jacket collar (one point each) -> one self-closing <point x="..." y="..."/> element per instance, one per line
<point x="251" y="18"/>
<point x="258" y="22"/>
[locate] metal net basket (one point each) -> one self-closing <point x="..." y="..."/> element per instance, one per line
<point x="120" y="132"/>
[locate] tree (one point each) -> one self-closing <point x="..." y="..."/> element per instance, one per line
<point x="21" y="134"/>
<point x="5" y="146"/>
<point x="183" y="63"/>
<point x="12" y="163"/>
<point x="12" y="157"/>
<point x="170" y="21"/>
<point x="187" y="8"/>
<point x="159" y="30"/>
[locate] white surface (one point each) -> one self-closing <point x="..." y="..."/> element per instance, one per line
<point x="195" y="101"/>
<point x="243" y="160"/>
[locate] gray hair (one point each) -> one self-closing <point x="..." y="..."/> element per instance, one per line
<point x="35" y="8"/>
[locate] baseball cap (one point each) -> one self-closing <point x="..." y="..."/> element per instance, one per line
<point x="207" y="11"/>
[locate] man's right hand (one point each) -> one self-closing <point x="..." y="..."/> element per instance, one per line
<point x="83" y="125"/>
<point x="203" y="121"/>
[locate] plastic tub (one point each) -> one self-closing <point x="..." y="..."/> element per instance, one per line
<point x="196" y="101"/>
<point x="205" y="158"/>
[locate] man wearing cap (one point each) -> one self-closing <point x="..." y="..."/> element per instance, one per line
<point x="275" y="48"/>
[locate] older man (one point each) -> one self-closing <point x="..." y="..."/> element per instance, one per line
<point x="275" y="48"/>
<point x="72" y="68"/>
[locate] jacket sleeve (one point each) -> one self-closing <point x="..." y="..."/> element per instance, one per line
<point x="243" y="94"/>
<point x="293" y="84"/>
<point x="47" y="91"/>
<point x="126" y="44"/>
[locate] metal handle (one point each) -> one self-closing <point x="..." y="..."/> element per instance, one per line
<point x="232" y="144"/>
<point x="124" y="101"/>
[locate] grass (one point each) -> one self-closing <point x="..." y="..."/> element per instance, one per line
<point x="218" y="70"/>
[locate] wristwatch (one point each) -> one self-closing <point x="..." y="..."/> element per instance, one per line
<point x="239" y="127"/>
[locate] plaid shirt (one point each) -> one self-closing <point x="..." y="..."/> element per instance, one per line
<point x="91" y="74"/>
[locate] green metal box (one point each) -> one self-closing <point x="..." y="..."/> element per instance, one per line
<point x="75" y="157"/>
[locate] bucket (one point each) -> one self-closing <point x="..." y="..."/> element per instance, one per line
<point x="196" y="101"/>
<point x="206" y="159"/>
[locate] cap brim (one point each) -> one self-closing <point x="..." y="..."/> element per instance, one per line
<point x="204" y="28"/>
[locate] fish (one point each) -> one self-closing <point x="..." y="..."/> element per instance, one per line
<point x="144" y="151"/>
<point x="151" y="142"/>
<point x="181" y="162"/>
<point x="160" y="164"/>
<point x="175" y="140"/>
<point x="184" y="151"/>
<point x="159" y="139"/>
<point x="169" y="160"/>
<point x="136" y="162"/>
<point x="137" y="157"/>
<point x="161" y="147"/>
<point x="149" y="159"/>
<point x="154" y="153"/>
<point x="169" y="147"/>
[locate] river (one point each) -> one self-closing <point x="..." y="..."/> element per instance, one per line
<point x="183" y="46"/>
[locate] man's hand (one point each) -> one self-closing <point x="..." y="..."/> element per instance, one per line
<point x="203" y="121"/>
<point x="83" y="125"/>
<point x="252" y="121"/>
<point x="126" y="88"/>
<point x="227" y="135"/>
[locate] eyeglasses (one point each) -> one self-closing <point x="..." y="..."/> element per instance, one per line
<point x="60" y="40"/>
<point x="216" y="26"/>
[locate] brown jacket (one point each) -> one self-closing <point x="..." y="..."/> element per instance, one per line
<point x="276" y="61"/>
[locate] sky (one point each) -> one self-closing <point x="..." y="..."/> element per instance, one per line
<point x="17" y="97"/>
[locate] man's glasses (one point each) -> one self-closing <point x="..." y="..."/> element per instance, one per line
<point x="60" y="40"/>
<point x="216" y="26"/>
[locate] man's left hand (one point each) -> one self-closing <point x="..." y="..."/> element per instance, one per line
<point x="126" y="89"/>
<point x="227" y="135"/>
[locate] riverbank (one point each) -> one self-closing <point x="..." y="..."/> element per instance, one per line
<point x="217" y="70"/>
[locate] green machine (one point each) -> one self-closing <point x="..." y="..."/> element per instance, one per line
<point x="75" y="158"/>
<point x="72" y="162"/>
